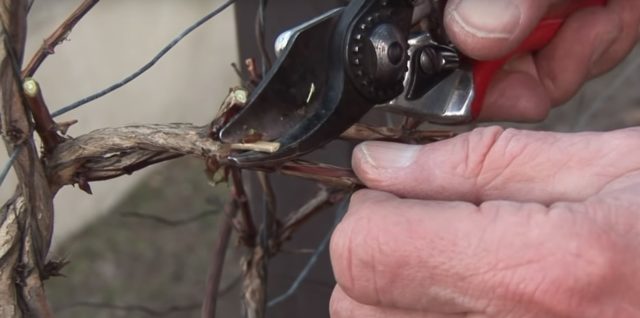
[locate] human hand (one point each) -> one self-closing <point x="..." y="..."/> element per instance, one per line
<point x="591" y="42"/>
<point x="499" y="224"/>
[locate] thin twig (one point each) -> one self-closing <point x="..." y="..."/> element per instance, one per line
<point x="245" y="217"/>
<point x="148" y="65"/>
<point x="340" y="211"/>
<point x="255" y="76"/>
<point x="112" y="152"/>
<point x="321" y="200"/>
<point x="362" y="132"/>
<point x="270" y="203"/>
<point x="214" y="276"/>
<point x="269" y="220"/>
<point x="269" y="194"/>
<point x="26" y="235"/>
<point x="312" y="261"/>
<point x="59" y="35"/>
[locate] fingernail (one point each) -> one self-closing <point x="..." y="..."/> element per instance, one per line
<point x="487" y="18"/>
<point x="387" y="155"/>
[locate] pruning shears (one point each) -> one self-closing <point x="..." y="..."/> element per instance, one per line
<point x="333" y="69"/>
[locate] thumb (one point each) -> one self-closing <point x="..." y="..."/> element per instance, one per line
<point x="488" y="29"/>
<point x="494" y="164"/>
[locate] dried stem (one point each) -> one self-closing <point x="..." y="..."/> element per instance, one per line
<point x="59" y="35"/>
<point x="244" y="220"/>
<point x="260" y="266"/>
<point x="254" y="283"/>
<point x="326" y="174"/>
<point x="361" y="132"/>
<point x="214" y="276"/>
<point x="270" y="202"/>
<point x="26" y="224"/>
<point x="324" y="198"/>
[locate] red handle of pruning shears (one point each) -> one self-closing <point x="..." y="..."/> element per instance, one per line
<point x="484" y="71"/>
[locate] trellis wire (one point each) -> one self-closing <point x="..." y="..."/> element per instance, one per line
<point x="147" y="66"/>
<point x="8" y="165"/>
<point x="340" y="212"/>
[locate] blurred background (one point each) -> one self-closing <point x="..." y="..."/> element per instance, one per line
<point x="140" y="246"/>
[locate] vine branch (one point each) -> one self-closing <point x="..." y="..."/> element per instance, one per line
<point x="26" y="225"/>
<point x="57" y="37"/>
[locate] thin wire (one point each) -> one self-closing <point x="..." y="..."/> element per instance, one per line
<point x="147" y="66"/>
<point x="8" y="165"/>
<point x="260" y="36"/>
<point x="340" y="212"/>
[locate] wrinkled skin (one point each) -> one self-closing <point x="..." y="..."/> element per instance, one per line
<point x="591" y="42"/>
<point x="499" y="223"/>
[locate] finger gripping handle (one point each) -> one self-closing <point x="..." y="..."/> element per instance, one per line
<point x="484" y="71"/>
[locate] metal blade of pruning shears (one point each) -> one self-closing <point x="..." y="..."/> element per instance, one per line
<point x="331" y="72"/>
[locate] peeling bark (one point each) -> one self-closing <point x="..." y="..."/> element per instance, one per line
<point x="27" y="221"/>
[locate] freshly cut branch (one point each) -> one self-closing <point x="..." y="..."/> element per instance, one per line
<point x="46" y="128"/>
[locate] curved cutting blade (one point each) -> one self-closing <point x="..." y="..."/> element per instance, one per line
<point x="325" y="80"/>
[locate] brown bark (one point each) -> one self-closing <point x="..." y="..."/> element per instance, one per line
<point x="27" y="223"/>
